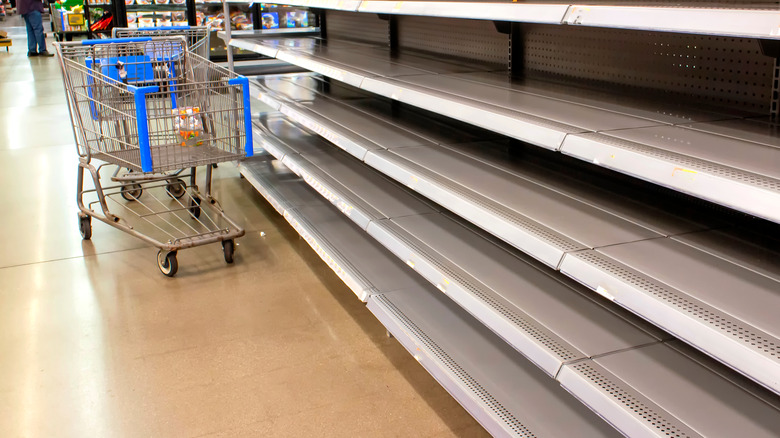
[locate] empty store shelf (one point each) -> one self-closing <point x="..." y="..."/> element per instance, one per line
<point x="670" y="145"/>
<point x="474" y="283"/>
<point x="595" y="230"/>
<point x="489" y="378"/>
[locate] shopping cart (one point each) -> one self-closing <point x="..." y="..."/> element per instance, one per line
<point x="147" y="106"/>
<point x="197" y="36"/>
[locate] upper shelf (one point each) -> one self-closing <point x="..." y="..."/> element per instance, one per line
<point x="691" y="150"/>
<point x="751" y="23"/>
<point x="760" y="21"/>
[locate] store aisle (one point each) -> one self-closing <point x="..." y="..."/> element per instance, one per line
<point x="95" y="342"/>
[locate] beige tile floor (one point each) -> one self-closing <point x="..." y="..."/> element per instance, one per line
<point x="95" y="342"/>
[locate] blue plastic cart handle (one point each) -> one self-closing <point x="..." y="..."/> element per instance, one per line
<point x="114" y="40"/>
<point x="165" y="28"/>
<point x="139" y="93"/>
<point x="244" y="82"/>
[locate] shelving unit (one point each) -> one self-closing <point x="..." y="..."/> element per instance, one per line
<point x="521" y="172"/>
<point x="61" y="35"/>
<point x="475" y="283"/>
<point x="685" y="149"/>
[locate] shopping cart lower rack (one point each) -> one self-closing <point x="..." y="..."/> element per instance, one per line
<point x="153" y="111"/>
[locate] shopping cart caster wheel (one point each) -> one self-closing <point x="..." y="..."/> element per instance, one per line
<point x="132" y="192"/>
<point x="195" y="207"/>
<point x="176" y="188"/>
<point x="85" y="227"/>
<point x="229" y="248"/>
<point x="167" y="263"/>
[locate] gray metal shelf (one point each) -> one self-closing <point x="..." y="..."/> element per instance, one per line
<point x="489" y="378"/>
<point x="554" y="218"/>
<point x="546" y="320"/>
<point x="722" y="304"/>
<point x="536" y="215"/>
<point x="637" y="137"/>
<point x="667" y="390"/>
<point x="604" y="358"/>
<point x="507" y="394"/>
<point x="354" y="190"/>
<point x="352" y="255"/>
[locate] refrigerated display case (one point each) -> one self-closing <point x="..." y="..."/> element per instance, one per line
<point x="249" y="17"/>
<point x="154" y="13"/>
<point x="244" y="16"/>
<point x="92" y="18"/>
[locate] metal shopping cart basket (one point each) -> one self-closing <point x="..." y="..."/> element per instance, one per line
<point x="197" y="36"/>
<point x="145" y="107"/>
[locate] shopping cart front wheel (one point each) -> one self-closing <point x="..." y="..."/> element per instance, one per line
<point x="166" y="261"/>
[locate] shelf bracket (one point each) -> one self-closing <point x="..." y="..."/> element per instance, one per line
<point x="771" y="48"/>
<point x="515" y="61"/>
<point x="322" y="21"/>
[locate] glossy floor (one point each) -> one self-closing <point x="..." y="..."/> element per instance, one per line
<point x="94" y="341"/>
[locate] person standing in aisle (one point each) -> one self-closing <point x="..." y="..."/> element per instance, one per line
<point x="31" y="10"/>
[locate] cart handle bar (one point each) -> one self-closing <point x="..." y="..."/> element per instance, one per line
<point x="115" y="40"/>
<point x="249" y="143"/>
<point x="141" y="29"/>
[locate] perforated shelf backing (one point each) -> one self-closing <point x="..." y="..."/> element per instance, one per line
<point x="721" y="71"/>
<point x="350" y="26"/>
<point x="467" y="39"/>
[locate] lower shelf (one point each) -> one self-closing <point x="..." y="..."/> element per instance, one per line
<point x="649" y="386"/>
<point x="505" y="392"/>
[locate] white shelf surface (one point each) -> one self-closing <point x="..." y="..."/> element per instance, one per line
<point x="748" y="23"/>
<point x="667" y="144"/>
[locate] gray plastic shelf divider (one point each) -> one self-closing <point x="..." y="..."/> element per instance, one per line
<point x="660" y="391"/>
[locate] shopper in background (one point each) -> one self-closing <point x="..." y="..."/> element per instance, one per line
<point x="31" y="10"/>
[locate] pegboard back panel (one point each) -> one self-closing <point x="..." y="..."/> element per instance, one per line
<point x="721" y="71"/>
<point x="465" y="39"/>
<point x="352" y="26"/>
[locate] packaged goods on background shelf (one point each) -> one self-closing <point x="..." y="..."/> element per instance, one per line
<point x="145" y="19"/>
<point x="5" y="41"/>
<point x="164" y="19"/>
<point x="179" y="18"/>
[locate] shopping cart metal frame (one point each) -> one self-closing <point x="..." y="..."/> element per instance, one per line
<point x="198" y="37"/>
<point x="123" y="123"/>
